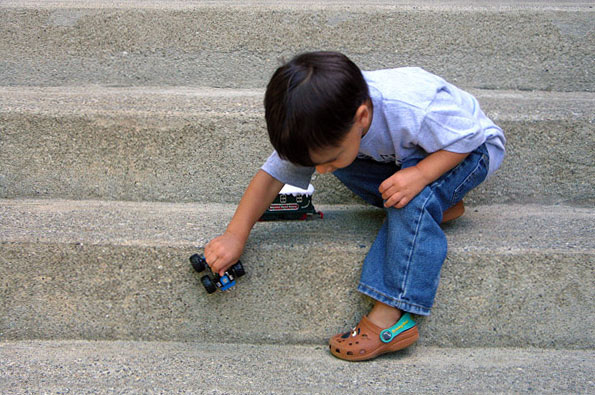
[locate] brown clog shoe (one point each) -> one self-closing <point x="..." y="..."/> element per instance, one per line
<point x="367" y="340"/>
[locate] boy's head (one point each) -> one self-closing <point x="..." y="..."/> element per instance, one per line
<point x="311" y="104"/>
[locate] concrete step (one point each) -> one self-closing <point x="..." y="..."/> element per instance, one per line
<point x="202" y="144"/>
<point x="500" y="44"/>
<point x="156" y="367"/>
<point x="515" y="276"/>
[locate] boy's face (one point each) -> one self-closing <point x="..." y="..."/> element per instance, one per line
<point x="332" y="158"/>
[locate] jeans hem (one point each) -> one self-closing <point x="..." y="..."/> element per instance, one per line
<point x="391" y="301"/>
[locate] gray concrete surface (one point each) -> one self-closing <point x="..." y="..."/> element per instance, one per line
<point x="115" y="100"/>
<point x="141" y="367"/>
<point x="516" y="276"/>
<point x="299" y="4"/>
<point x="202" y="144"/>
<point x="493" y="45"/>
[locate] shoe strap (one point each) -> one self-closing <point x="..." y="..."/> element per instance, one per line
<point x="405" y="323"/>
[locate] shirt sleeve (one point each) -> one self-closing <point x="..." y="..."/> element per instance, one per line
<point x="287" y="172"/>
<point x="450" y="125"/>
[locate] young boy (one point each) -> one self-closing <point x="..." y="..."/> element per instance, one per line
<point x="402" y="139"/>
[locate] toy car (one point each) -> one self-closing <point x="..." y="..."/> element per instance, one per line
<point x="292" y="203"/>
<point x="211" y="283"/>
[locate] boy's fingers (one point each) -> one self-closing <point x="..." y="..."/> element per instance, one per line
<point x="215" y="261"/>
<point x="387" y="194"/>
<point x="384" y="186"/>
<point x="393" y="199"/>
<point x="211" y="262"/>
<point x="391" y="204"/>
<point x="402" y="203"/>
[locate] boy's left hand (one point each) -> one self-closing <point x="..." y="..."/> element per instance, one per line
<point x="398" y="190"/>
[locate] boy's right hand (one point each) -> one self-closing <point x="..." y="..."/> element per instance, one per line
<point x="223" y="251"/>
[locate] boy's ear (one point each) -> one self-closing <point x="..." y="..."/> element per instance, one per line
<point x="363" y="115"/>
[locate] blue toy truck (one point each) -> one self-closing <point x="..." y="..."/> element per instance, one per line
<point x="214" y="282"/>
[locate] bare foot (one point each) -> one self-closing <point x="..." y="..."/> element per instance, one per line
<point x="384" y="315"/>
<point x="454" y="212"/>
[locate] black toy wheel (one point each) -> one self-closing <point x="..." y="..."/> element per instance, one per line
<point x="198" y="262"/>
<point x="238" y="269"/>
<point x="208" y="284"/>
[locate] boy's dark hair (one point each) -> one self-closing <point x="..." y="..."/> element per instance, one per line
<point x="310" y="103"/>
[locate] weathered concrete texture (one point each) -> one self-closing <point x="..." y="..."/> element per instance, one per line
<point x="567" y="5"/>
<point x="515" y="276"/>
<point x="200" y="144"/>
<point x="496" y="45"/>
<point x="141" y="367"/>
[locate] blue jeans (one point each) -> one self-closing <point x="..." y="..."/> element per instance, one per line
<point x="402" y="268"/>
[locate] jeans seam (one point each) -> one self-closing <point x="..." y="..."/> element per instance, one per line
<point x="454" y="170"/>
<point x="471" y="174"/>
<point x="406" y="274"/>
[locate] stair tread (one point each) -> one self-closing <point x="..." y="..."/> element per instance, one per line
<point x="243" y="368"/>
<point x="119" y="270"/>
<point x="495" y="227"/>
<point x="526" y="45"/>
<point x="182" y="101"/>
<point x="299" y="4"/>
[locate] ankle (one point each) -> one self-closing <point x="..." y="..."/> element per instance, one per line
<point x="383" y="315"/>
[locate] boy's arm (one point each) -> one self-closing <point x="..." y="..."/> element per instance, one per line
<point x="405" y="184"/>
<point x="225" y="250"/>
